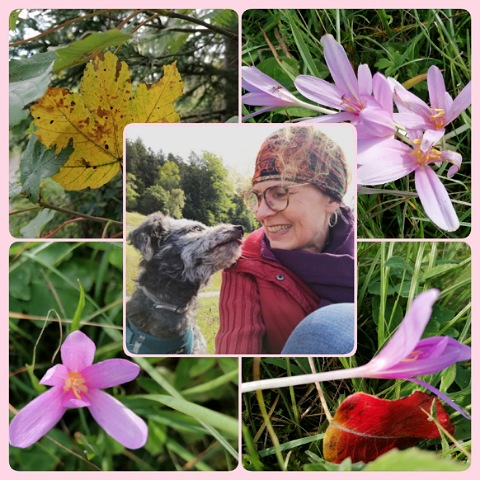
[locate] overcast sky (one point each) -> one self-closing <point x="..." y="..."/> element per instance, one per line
<point x="237" y="144"/>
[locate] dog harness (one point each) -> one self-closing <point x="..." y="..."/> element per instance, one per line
<point x="142" y="343"/>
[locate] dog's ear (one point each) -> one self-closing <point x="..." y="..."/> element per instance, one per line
<point x="149" y="234"/>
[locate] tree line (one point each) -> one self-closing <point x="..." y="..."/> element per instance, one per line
<point x="199" y="187"/>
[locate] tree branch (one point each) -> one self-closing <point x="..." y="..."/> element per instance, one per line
<point x="83" y="215"/>
<point x="213" y="28"/>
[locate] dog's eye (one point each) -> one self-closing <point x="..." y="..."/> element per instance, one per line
<point x="197" y="228"/>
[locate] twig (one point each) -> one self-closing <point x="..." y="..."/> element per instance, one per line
<point x="213" y="28"/>
<point x="58" y="27"/>
<point x="126" y="20"/>
<point x="54" y="231"/>
<point x="270" y="46"/>
<point x="320" y="392"/>
<point x="23" y="210"/>
<point x="141" y="24"/>
<point x="78" y="214"/>
<point x="265" y="415"/>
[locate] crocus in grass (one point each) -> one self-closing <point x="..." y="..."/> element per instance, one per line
<point x="415" y="114"/>
<point x="372" y="114"/>
<point x="399" y="160"/>
<point x="76" y="383"/>
<point x="405" y="355"/>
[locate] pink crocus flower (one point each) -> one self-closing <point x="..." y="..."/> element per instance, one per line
<point x="264" y="90"/>
<point x="352" y="95"/>
<point x="404" y="356"/>
<point x="415" y="114"/>
<point x="399" y="160"/>
<point x="76" y="383"/>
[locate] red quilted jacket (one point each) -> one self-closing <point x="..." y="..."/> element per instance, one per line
<point x="261" y="302"/>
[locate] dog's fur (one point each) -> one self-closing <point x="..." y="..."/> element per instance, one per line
<point x="178" y="258"/>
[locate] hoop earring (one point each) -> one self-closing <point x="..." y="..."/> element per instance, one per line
<point x="334" y="216"/>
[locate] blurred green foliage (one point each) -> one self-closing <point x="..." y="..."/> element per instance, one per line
<point x="190" y="404"/>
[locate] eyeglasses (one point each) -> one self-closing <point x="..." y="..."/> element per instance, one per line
<point x="276" y="197"/>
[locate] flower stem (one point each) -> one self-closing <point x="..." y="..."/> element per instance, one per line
<point x="303" y="379"/>
<point x="315" y="108"/>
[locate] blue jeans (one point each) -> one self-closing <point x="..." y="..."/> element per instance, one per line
<point x="329" y="330"/>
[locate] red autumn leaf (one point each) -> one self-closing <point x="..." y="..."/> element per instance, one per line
<point x="365" y="426"/>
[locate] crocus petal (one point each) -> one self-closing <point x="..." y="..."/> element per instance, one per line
<point x="117" y="420"/>
<point x="443" y="396"/>
<point x="454" y="158"/>
<point x="393" y="156"/>
<point x="411" y="120"/>
<point x="374" y="121"/>
<point x="435" y="199"/>
<point x="71" y="401"/>
<point x="55" y="376"/>
<point x="461" y="103"/>
<point x="434" y="135"/>
<point x="407" y="101"/>
<point x="110" y="373"/>
<point x="77" y="351"/>
<point x="364" y="80"/>
<point x="331" y="118"/>
<point x="257" y="112"/>
<point x="319" y="91"/>
<point x="431" y="355"/>
<point x="255" y="79"/>
<point x="436" y="88"/>
<point x="35" y="420"/>
<point x="382" y="92"/>
<point x="259" y="83"/>
<point x="451" y="352"/>
<point x="277" y="99"/>
<point x="339" y="66"/>
<point x="405" y="339"/>
<point x="428" y="139"/>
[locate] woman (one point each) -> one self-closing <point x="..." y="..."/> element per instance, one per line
<point x="302" y="258"/>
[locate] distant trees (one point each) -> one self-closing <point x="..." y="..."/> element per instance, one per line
<point x="199" y="188"/>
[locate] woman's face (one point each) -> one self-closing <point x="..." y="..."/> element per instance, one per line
<point x="303" y="225"/>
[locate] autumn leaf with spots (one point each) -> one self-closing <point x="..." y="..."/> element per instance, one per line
<point x="94" y="118"/>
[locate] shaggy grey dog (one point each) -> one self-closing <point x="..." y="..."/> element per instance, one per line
<point x="178" y="258"/>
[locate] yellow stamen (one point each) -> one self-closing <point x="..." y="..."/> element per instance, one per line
<point x="76" y="383"/>
<point x="423" y="158"/>
<point x="352" y="104"/>
<point x="438" y="118"/>
<point x="413" y="356"/>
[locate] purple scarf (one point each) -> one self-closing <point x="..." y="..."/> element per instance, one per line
<point x="330" y="274"/>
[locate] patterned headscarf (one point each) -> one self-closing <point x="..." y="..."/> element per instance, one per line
<point x="303" y="154"/>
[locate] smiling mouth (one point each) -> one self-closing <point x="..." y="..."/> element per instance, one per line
<point x="278" y="228"/>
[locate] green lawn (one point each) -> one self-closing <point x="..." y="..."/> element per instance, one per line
<point x="207" y="314"/>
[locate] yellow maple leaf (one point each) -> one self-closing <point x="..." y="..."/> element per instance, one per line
<point x="95" y="118"/>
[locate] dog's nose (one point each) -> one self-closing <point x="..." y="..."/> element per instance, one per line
<point x="239" y="228"/>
